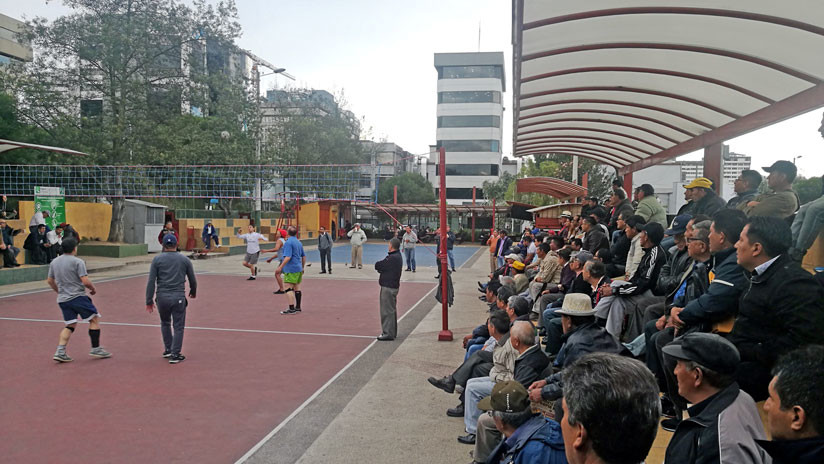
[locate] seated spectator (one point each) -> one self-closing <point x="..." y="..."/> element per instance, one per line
<point x="576" y="244"/>
<point x="724" y="422"/>
<point x="601" y="216"/>
<point x="795" y="408"/>
<point x="7" y="248"/>
<point x="521" y="280"/>
<point x="704" y="198"/>
<point x="168" y="229"/>
<point x="529" y="245"/>
<point x="610" y="410"/>
<point x="634" y="225"/>
<point x="553" y="292"/>
<point x="783" y="308"/>
<point x="529" y="437"/>
<point x="781" y="201"/>
<point x="620" y="205"/>
<point x="582" y="335"/>
<point x="578" y="285"/>
<point x="549" y="273"/>
<point x="210" y="234"/>
<point x="70" y="232"/>
<point x="605" y="256"/>
<point x="37" y="220"/>
<point x="745" y="188"/>
<point x="529" y="363"/>
<point x="55" y="238"/>
<point x="631" y="298"/>
<point x="38" y="246"/>
<point x="594" y="236"/>
<point x="620" y="243"/>
<point x="648" y="206"/>
<point x="806" y="226"/>
<point x="678" y="261"/>
<point x="566" y="225"/>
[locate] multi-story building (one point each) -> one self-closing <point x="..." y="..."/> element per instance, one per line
<point x="12" y="48"/>
<point x="732" y="165"/>
<point x="469" y="117"/>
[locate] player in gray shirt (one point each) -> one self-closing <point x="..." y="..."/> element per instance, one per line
<point x="68" y="277"/>
<point x="168" y="272"/>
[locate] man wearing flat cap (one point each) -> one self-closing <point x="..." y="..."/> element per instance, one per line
<point x="723" y="421"/>
<point x="528" y="437"/>
<point x="704" y="198"/>
<point x="782" y="201"/>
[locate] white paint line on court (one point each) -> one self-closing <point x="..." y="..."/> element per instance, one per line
<point x="96" y="281"/>
<point x="317" y="393"/>
<point x="216" y="329"/>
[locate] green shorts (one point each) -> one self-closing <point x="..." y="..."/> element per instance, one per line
<point x="292" y="277"/>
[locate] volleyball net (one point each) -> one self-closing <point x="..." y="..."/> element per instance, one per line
<point x="310" y="182"/>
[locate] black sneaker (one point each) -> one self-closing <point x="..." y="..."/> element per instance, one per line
<point x="167" y="354"/>
<point x="322" y="272"/>
<point x="176" y="358"/>
<point x="297" y="310"/>
<point x="279" y="292"/>
<point x="251" y="278"/>
<point x="670" y="424"/>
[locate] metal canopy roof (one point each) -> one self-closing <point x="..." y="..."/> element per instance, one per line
<point x="7" y="145"/>
<point x="631" y="83"/>
<point x="551" y="186"/>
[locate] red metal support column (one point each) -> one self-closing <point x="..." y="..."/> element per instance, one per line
<point x="445" y="334"/>
<point x="473" y="215"/>
<point x="628" y="184"/>
<point x="712" y="164"/>
<point x="395" y="195"/>
<point x="493" y="216"/>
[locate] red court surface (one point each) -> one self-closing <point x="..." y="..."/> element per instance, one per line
<point x="235" y="386"/>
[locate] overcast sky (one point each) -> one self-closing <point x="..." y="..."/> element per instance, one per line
<point x="379" y="55"/>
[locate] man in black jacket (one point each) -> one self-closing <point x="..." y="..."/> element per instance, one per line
<point x="783" y="308"/>
<point x="704" y="198"/>
<point x="746" y="188"/>
<point x="678" y="261"/>
<point x="390" y="269"/>
<point x="795" y="408"/>
<point x="595" y="238"/>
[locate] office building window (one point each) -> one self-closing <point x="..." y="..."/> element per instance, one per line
<point x="470" y="145"/>
<point x="467" y="72"/>
<point x="469" y="121"/>
<point x="469" y="97"/>
<point x="461" y="193"/>
<point x="468" y="169"/>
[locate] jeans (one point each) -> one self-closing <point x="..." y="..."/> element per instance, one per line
<point x="807" y="224"/>
<point x="208" y="241"/>
<point x="501" y="261"/>
<point x="476" y="390"/>
<point x="451" y="257"/>
<point x="325" y="257"/>
<point x="410" y="258"/>
<point x="473" y="348"/>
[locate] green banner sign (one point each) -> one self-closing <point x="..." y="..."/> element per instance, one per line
<point x="50" y="200"/>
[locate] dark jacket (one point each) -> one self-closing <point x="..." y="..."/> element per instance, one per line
<point x="742" y="199"/>
<point x="623" y="207"/>
<point x="579" y="285"/>
<point x="390" y="270"/>
<point x="503" y="246"/>
<point x="806" y="451"/>
<point x="537" y="440"/>
<point x="620" y="249"/>
<point x="529" y="365"/>
<point x="709" y="205"/>
<point x="595" y="239"/>
<point x="647" y="274"/>
<point x="325" y="241"/>
<point x="696" y="279"/>
<point x="586" y="339"/>
<point x="782" y="310"/>
<point x="205" y="236"/>
<point x="450" y="241"/>
<point x="672" y="271"/>
<point x="722" y="428"/>
<point x="720" y="301"/>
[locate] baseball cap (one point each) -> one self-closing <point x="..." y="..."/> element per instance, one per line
<point x="701" y="182"/>
<point x="507" y="396"/>
<point x="518" y="265"/>
<point x="709" y="350"/>
<point x="679" y="224"/>
<point x="784" y="166"/>
<point x="169" y="240"/>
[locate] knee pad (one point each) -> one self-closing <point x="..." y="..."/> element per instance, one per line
<point x="71" y="329"/>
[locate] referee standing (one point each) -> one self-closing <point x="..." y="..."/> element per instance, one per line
<point x="168" y="272"/>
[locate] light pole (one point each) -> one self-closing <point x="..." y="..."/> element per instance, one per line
<point x="258" y="62"/>
<point x="797" y="157"/>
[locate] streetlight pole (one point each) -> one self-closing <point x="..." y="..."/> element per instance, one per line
<point x="797" y="157"/>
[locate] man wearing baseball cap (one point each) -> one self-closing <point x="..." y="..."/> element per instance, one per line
<point x="723" y="421"/>
<point x="704" y="199"/>
<point x="168" y="272"/>
<point x="527" y="437"/>
<point x="782" y="201"/>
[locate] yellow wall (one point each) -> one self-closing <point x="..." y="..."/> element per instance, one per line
<point x="309" y="215"/>
<point x="91" y="220"/>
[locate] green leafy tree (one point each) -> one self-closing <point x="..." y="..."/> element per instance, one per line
<point x="807" y="189"/>
<point x="412" y="188"/>
<point x="499" y="189"/>
<point x="113" y="77"/>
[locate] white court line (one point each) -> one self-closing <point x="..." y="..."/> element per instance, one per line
<point x="317" y="392"/>
<point x="216" y="329"/>
<point x="96" y="281"/>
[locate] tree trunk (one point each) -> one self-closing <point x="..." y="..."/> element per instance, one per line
<point x="116" y="228"/>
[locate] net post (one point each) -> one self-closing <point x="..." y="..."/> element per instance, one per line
<point x="445" y="335"/>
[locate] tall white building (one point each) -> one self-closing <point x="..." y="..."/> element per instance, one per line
<point x="732" y="165"/>
<point x="469" y="117"/>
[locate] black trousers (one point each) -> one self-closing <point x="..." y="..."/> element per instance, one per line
<point x="172" y="313"/>
<point x="325" y="258"/>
